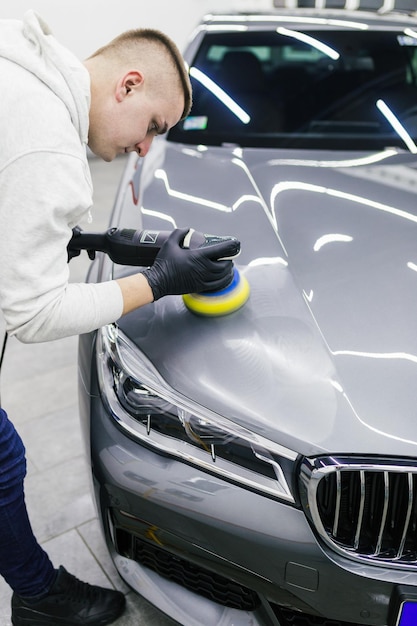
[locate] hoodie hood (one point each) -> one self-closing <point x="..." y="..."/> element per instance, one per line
<point x="31" y="45"/>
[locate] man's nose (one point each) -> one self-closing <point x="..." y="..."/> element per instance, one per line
<point x="143" y="146"/>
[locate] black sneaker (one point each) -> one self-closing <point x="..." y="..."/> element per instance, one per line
<point x="69" y="602"/>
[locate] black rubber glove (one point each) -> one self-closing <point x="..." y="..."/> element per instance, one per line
<point x="178" y="270"/>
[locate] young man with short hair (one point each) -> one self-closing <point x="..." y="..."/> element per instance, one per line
<point x="53" y="107"/>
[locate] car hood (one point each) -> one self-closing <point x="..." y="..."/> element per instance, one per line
<point x="323" y="356"/>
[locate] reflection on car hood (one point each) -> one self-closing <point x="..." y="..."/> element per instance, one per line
<point x="324" y="354"/>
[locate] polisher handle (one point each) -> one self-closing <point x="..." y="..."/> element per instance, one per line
<point x="128" y="246"/>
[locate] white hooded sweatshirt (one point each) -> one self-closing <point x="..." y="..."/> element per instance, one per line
<point x="45" y="187"/>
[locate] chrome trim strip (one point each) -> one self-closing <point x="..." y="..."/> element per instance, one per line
<point x="384" y="514"/>
<point x="408" y="515"/>
<point x="338" y="499"/>
<point x="361" y="510"/>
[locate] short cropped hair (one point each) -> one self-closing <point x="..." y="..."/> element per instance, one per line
<point x="127" y="45"/>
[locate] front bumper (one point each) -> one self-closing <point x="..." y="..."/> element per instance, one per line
<point x="251" y="560"/>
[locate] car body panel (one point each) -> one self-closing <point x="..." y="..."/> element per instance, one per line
<point x="211" y="523"/>
<point x="294" y="359"/>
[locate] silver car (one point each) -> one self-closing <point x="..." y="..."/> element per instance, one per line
<point x="260" y="468"/>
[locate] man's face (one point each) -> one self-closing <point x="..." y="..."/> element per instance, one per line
<point x="133" y="118"/>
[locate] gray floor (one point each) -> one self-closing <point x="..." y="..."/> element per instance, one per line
<point x="39" y="391"/>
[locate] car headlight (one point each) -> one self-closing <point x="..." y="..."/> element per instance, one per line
<point x="149" y="410"/>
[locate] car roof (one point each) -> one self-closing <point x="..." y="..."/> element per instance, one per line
<point x="310" y="18"/>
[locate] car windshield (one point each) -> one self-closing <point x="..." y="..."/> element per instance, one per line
<point x="354" y="90"/>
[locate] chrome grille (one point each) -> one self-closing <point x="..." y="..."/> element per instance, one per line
<point x="365" y="510"/>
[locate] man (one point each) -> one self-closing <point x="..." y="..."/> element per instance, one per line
<point x="53" y="106"/>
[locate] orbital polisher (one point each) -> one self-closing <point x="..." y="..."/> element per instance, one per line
<point x="140" y="247"/>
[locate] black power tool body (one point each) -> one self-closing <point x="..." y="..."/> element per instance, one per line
<point x="128" y="246"/>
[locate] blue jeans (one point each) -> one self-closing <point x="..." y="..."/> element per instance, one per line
<point x="23" y="563"/>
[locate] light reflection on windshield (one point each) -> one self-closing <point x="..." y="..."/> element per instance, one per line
<point x="304" y="88"/>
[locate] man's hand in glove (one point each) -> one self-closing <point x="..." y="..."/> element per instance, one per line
<point x="178" y="270"/>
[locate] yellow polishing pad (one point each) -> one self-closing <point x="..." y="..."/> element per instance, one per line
<point x="218" y="303"/>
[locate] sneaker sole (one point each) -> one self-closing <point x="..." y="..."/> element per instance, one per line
<point x="47" y="622"/>
<point x="32" y="620"/>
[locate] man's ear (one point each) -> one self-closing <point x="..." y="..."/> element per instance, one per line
<point x="128" y="83"/>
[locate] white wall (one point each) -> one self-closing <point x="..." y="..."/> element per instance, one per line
<point x="85" y="25"/>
